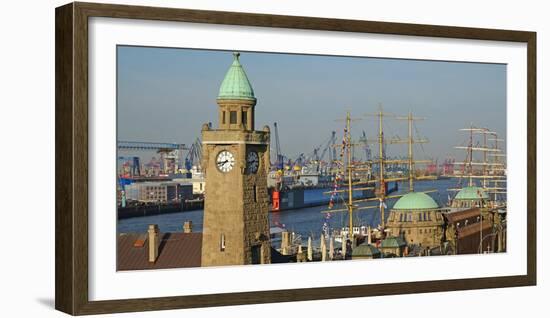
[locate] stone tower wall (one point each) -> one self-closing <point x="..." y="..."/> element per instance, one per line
<point x="236" y="202"/>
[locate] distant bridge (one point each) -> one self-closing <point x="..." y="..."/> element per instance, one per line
<point x="139" y="145"/>
<point x="193" y="157"/>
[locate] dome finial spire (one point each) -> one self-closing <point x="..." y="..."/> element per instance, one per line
<point x="236" y="55"/>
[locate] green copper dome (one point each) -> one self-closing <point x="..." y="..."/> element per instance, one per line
<point x="393" y="241"/>
<point x="471" y="193"/>
<point x="365" y="250"/>
<point x="415" y="201"/>
<point x="235" y="85"/>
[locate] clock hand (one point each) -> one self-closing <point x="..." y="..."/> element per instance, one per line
<point x="221" y="163"/>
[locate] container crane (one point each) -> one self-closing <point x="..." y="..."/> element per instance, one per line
<point x="194" y="156"/>
<point x="134" y="164"/>
<point x="279" y="162"/>
<point x="364" y="141"/>
<point x="327" y="147"/>
<point x="170" y="152"/>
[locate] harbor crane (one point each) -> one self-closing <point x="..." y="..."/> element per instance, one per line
<point x="171" y="153"/>
<point x="194" y="156"/>
<point x="133" y="163"/>
<point x="325" y="147"/>
<point x="279" y="161"/>
<point x="364" y="141"/>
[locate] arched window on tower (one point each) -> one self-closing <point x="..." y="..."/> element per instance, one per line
<point x="222" y="243"/>
<point x="244" y="119"/>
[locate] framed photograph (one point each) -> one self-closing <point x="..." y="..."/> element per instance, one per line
<point x="210" y="158"/>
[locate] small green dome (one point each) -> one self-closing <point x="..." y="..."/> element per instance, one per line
<point x="235" y="85"/>
<point x="393" y="241"/>
<point x="415" y="201"/>
<point x="471" y="193"/>
<point x="365" y="250"/>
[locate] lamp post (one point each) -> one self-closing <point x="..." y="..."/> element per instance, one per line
<point x="456" y="238"/>
<point x="480" y="219"/>
<point x="480" y="243"/>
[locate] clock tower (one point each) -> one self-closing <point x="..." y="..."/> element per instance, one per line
<point x="236" y="163"/>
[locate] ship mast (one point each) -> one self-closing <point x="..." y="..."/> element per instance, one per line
<point x="470" y="156"/>
<point x="382" y="160"/>
<point x="484" y="181"/>
<point x="468" y="165"/>
<point x="347" y="147"/>
<point x="411" y="141"/>
<point x="349" y="170"/>
<point x="381" y="168"/>
<point x="381" y="195"/>
<point x="351" y="166"/>
<point x="410" y="146"/>
<point x="498" y="167"/>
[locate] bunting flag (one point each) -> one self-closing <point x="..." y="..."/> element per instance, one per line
<point x="339" y="172"/>
<point x="325" y="228"/>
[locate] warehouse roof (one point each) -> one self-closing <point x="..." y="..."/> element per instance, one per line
<point x="175" y="250"/>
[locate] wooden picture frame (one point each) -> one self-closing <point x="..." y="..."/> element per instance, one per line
<point x="71" y="155"/>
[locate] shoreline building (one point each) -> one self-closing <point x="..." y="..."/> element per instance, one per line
<point x="473" y="225"/>
<point x="417" y="218"/>
<point x="236" y="163"/>
<point x="470" y="197"/>
<point x="159" y="192"/>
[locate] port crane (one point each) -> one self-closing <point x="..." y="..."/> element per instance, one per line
<point x="171" y="153"/>
<point x="280" y="158"/>
<point x="323" y="148"/>
<point x="364" y="140"/>
<point x="194" y="155"/>
<point x="380" y="183"/>
<point x="133" y="163"/>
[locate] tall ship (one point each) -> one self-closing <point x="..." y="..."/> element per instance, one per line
<point x="482" y="175"/>
<point x="472" y="221"/>
<point x="478" y="207"/>
<point x="300" y="181"/>
<point x="393" y="235"/>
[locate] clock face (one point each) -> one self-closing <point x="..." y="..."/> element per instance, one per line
<point x="252" y="162"/>
<point x="225" y="161"/>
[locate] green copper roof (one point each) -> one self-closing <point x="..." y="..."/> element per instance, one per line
<point x="471" y="193"/>
<point x="415" y="201"/>
<point x="235" y="85"/>
<point x="393" y="241"/>
<point x="365" y="249"/>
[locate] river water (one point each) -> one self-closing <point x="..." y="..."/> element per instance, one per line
<point x="305" y="222"/>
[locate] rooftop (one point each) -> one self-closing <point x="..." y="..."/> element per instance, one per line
<point x="471" y="193"/>
<point x="175" y="250"/>
<point x="393" y="241"/>
<point x="365" y="249"/>
<point x="236" y="85"/>
<point x="415" y="201"/>
<point x="460" y="215"/>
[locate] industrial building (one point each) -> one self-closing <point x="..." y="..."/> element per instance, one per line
<point x="159" y="191"/>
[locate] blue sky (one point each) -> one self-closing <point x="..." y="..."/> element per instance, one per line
<point x="166" y="94"/>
